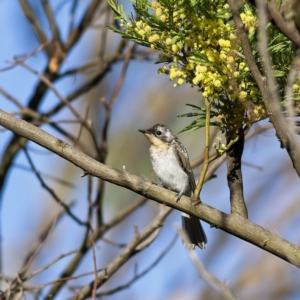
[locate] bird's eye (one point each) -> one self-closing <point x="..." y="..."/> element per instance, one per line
<point x="158" y="132"/>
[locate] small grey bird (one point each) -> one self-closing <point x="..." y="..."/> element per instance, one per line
<point x="171" y="164"/>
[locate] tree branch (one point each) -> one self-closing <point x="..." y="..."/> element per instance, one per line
<point x="124" y="256"/>
<point x="36" y="26"/>
<point x="232" y="224"/>
<point x="235" y="179"/>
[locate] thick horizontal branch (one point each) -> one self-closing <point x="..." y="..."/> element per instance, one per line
<point x="232" y="224"/>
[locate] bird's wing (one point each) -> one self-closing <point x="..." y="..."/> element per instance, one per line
<point x="183" y="159"/>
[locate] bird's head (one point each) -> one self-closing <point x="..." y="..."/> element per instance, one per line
<point x="158" y="134"/>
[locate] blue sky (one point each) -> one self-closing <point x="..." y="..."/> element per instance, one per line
<point x="146" y="98"/>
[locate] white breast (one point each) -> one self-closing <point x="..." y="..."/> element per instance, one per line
<point x="168" y="169"/>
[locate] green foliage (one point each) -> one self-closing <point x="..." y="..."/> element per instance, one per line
<point x="200" y="121"/>
<point x="199" y="46"/>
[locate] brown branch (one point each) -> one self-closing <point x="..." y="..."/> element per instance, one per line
<point x="72" y="15"/>
<point x="76" y="33"/>
<point x="92" y="82"/>
<point x="210" y="279"/>
<point x="235" y="179"/>
<point x="87" y="244"/>
<point x="11" y="98"/>
<point x="17" y="283"/>
<point x="50" y="85"/>
<point x="124" y="256"/>
<point x="52" y="23"/>
<point x="36" y="26"/>
<point x="102" y="153"/>
<point x="16" y="142"/>
<point x="48" y="265"/>
<point x="232" y="224"/>
<point x="143" y="273"/>
<point x="52" y="192"/>
<point x="42" y="238"/>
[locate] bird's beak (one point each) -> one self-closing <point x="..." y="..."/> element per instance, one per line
<point x="144" y="131"/>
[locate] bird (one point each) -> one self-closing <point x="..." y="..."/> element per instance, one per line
<point x="170" y="162"/>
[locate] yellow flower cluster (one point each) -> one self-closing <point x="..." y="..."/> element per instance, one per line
<point x="203" y="50"/>
<point x="259" y="112"/>
<point x="250" y="20"/>
<point x="296" y="86"/>
<point x="220" y="147"/>
<point x="211" y="38"/>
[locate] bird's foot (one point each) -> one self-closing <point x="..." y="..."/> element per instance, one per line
<point x="178" y="196"/>
<point x="195" y="201"/>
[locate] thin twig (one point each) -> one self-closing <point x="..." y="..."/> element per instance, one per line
<point x="210" y="279"/>
<point x="124" y="256"/>
<point x="143" y="273"/>
<point x="31" y="17"/>
<point x="87" y="243"/>
<point x="45" y="267"/>
<point x="53" y="24"/>
<point x="206" y="150"/>
<point x="11" y="98"/>
<point x="22" y="58"/>
<point x="51" y="191"/>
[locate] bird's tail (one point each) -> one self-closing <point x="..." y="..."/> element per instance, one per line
<point x="194" y="231"/>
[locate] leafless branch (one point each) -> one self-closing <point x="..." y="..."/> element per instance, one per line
<point x="205" y="275"/>
<point x="140" y="275"/>
<point x="51" y="191"/>
<point x="36" y="26"/>
<point x="124" y="256"/>
<point x="232" y="224"/>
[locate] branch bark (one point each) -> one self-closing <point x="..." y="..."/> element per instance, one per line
<point x="235" y="179"/>
<point x="233" y="224"/>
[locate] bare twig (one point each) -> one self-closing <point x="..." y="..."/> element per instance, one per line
<point x="36" y="26"/>
<point x="206" y="276"/>
<point x="102" y="153"/>
<point x="91" y="83"/>
<point x="52" y="22"/>
<point x="104" y="32"/>
<point x="72" y="15"/>
<point x="51" y="191"/>
<point x="124" y="256"/>
<point x="23" y="58"/>
<point x="143" y="273"/>
<point x="51" y="263"/>
<point x="76" y="33"/>
<point x="11" y="98"/>
<point x="54" y="178"/>
<point x="87" y="243"/>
